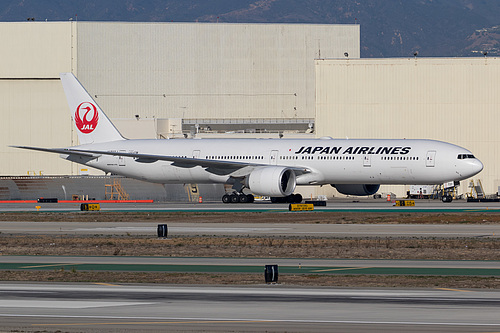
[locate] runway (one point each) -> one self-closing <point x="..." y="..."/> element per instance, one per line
<point x="130" y="308"/>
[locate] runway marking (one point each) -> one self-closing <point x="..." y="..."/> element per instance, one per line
<point x="41" y="304"/>
<point x="339" y="269"/>
<point x="107" y="284"/>
<point x="254" y="320"/>
<point x="450" y="289"/>
<point x="49" y="265"/>
<point x="162" y="322"/>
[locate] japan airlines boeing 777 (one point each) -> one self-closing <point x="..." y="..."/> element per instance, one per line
<point x="270" y="167"/>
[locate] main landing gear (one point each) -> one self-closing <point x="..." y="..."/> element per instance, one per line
<point x="292" y="198"/>
<point x="249" y="198"/>
<point x="237" y="198"/>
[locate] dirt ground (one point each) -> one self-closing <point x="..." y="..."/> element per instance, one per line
<point x="260" y="217"/>
<point x="255" y="247"/>
<point x="372" y="281"/>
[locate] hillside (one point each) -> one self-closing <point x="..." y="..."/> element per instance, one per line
<point x="389" y="28"/>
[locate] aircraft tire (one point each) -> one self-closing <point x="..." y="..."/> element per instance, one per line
<point x="447" y="198"/>
<point x="297" y="198"/>
<point x="234" y="198"/>
<point x="251" y="198"/>
<point x="226" y="198"/>
<point x="242" y="198"/>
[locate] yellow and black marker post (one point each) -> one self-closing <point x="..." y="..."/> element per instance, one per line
<point x="90" y="207"/>
<point x="300" y="207"/>
<point x="405" y="203"/>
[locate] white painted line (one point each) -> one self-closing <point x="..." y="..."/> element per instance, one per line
<point x="62" y="304"/>
<point x="261" y="320"/>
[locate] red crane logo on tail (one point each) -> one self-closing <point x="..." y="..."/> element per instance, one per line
<point x="84" y="111"/>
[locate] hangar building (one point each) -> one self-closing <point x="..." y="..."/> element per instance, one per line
<point x="164" y="80"/>
<point x="448" y="99"/>
<point x="158" y="80"/>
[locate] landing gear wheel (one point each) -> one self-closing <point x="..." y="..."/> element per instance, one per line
<point x="234" y="198"/>
<point x="447" y="198"/>
<point x="292" y="198"/>
<point x="226" y="198"/>
<point x="238" y="198"/>
<point x="297" y="198"/>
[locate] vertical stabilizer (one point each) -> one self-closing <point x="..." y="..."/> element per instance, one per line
<point x="92" y="125"/>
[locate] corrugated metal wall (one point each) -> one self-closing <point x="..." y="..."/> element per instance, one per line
<point x="161" y="70"/>
<point x="35" y="49"/>
<point x="203" y="70"/>
<point x="33" y="109"/>
<point x="449" y="99"/>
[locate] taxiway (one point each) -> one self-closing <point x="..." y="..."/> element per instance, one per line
<point x="251" y="229"/>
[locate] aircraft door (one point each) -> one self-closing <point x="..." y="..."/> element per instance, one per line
<point x="430" y="158"/>
<point x="367" y="160"/>
<point x="121" y="159"/>
<point x="273" y="158"/>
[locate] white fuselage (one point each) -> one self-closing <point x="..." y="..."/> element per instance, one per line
<point x="329" y="161"/>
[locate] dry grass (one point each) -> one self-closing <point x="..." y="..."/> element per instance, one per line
<point x="254" y="247"/>
<point x="455" y="282"/>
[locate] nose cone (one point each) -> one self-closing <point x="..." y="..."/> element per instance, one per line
<point x="475" y="166"/>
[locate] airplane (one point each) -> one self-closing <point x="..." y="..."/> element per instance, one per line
<point x="267" y="167"/>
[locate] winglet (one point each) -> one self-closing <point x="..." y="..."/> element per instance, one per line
<point x="92" y="125"/>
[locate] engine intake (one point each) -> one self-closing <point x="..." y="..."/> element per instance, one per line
<point x="273" y="181"/>
<point x="357" y="189"/>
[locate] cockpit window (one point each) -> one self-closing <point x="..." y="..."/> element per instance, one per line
<point x="465" y="156"/>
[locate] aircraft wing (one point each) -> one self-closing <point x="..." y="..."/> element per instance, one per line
<point x="65" y="151"/>
<point x="188" y="162"/>
<point x="215" y="166"/>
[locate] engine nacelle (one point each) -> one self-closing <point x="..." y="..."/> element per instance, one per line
<point x="357" y="189"/>
<point x="273" y="181"/>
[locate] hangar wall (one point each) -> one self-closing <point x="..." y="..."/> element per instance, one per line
<point x="207" y="70"/>
<point x="450" y="99"/>
<point x="160" y="70"/>
<point x="33" y="109"/>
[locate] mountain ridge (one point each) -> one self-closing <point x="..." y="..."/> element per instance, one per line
<point x="389" y="28"/>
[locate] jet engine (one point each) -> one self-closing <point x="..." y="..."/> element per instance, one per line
<point x="273" y="181"/>
<point x="357" y="189"/>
